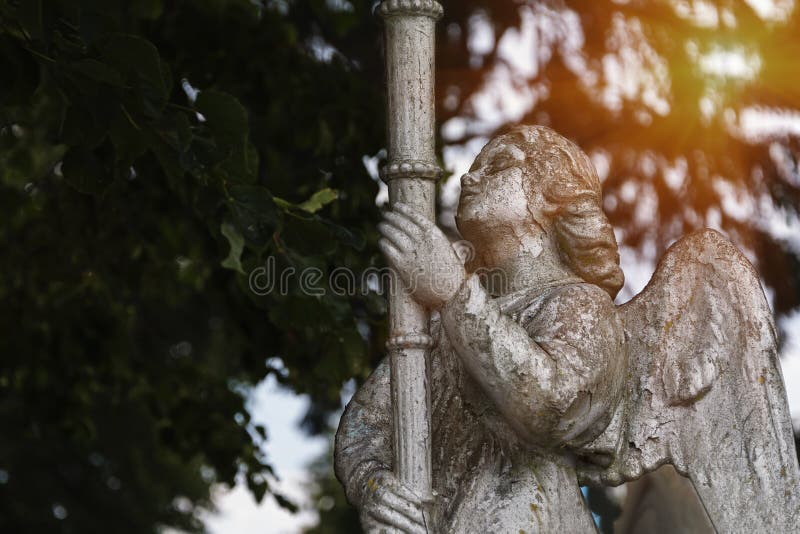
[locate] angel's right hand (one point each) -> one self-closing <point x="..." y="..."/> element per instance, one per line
<point x="389" y="506"/>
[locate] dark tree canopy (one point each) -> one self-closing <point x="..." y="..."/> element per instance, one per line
<point x="131" y="215"/>
<point x="153" y="153"/>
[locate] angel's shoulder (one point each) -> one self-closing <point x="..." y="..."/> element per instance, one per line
<point x="571" y="307"/>
<point x="581" y="301"/>
<point x="579" y="294"/>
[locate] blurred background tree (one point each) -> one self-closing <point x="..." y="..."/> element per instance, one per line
<point x="154" y="152"/>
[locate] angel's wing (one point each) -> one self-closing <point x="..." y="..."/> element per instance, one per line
<point x="705" y="391"/>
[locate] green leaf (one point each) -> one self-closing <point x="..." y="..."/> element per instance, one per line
<point x="351" y="238"/>
<point x="236" y="241"/>
<point x="254" y="212"/>
<point x="225" y="116"/>
<point x="285" y="205"/>
<point x="285" y="503"/>
<point x="319" y="199"/>
<point x="137" y="57"/>
<point x="166" y="78"/>
<point x="98" y="71"/>
<point x="129" y="142"/>
<point x="174" y="131"/>
<point x="262" y="431"/>
<point x="183" y="131"/>
<point x="258" y="487"/>
<point x="242" y="164"/>
<point x="20" y="73"/>
<point x="146" y="9"/>
<point x="168" y="157"/>
<point x="83" y="171"/>
<point x="30" y="17"/>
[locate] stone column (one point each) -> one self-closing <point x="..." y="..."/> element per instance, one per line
<point x="411" y="173"/>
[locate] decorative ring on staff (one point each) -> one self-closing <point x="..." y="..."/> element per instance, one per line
<point x="410" y="341"/>
<point x="428" y="8"/>
<point x="410" y="169"/>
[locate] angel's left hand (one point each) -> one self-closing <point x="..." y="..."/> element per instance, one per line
<point x="421" y="255"/>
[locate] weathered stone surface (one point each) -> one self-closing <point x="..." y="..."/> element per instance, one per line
<point x="662" y="502"/>
<point x="538" y="381"/>
<point x="706" y="394"/>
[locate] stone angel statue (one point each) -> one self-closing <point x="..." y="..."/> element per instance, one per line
<point x="541" y="384"/>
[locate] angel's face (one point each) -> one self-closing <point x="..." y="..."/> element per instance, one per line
<point x="494" y="204"/>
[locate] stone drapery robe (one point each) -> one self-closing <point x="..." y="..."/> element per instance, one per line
<point x="551" y="362"/>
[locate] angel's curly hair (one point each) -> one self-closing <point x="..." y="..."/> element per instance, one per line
<point x="568" y="182"/>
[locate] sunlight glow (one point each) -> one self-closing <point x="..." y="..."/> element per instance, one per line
<point x="759" y="123"/>
<point x="701" y="13"/>
<point x="481" y="37"/>
<point x="633" y="69"/>
<point x="736" y="63"/>
<point x="773" y="10"/>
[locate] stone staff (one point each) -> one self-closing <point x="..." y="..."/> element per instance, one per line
<point x="411" y="173"/>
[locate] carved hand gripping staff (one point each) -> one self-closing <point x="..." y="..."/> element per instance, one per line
<point x="537" y="382"/>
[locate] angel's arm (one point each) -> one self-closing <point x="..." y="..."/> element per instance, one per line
<point x="362" y="461"/>
<point x="551" y="377"/>
<point x="364" y="438"/>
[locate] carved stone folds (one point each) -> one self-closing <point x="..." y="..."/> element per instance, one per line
<point x="427" y="8"/>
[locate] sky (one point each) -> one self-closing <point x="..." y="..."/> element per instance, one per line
<point x="279" y="410"/>
<point x="290" y="451"/>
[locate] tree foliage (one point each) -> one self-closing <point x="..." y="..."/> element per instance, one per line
<point x="134" y="209"/>
<point x="684" y="106"/>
